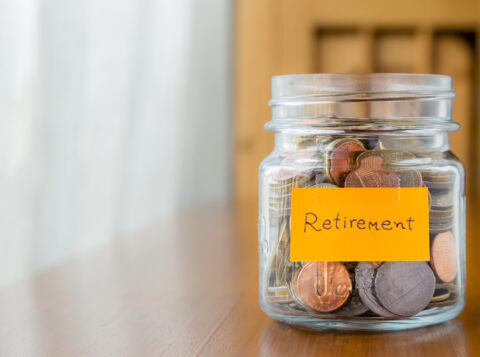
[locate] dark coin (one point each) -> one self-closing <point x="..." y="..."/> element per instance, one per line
<point x="372" y="173"/>
<point x="404" y="288"/>
<point x="364" y="278"/>
<point x="341" y="158"/>
<point x="350" y="265"/>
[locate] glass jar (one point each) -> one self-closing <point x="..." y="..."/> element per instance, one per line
<point x="362" y="203"/>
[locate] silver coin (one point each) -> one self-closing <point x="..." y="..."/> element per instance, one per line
<point x="441" y="185"/>
<point x="441" y="214"/>
<point x="440" y="228"/>
<point x="442" y="199"/>
<point x="354" y="306"/>
<point x="404" y="288"/>
<point x="364" y="278"/>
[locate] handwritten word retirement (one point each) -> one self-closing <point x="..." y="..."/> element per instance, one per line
<point x="337" y="223"/>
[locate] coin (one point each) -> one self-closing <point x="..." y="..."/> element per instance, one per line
<point x="354" y="305"/>
<point x="404" y="288"/>
<point x="393" y="159"/>
<point x="278" y="295"/>
<point x="437" y="176"/>
<point x="323" y="286"/>
<point x="446" y="294"/>
<point x="280" y="263"/>
<point x="350" y="265"/>
<point x="443" y="256"/>
<point x="284" y="180"/>
<point x="390" y="156"/>
<point x="341" y="159"/>
<point x="429" y="198"/>
<point x="441" y="214"/>
<point x="399" y="143"/>
<point x="441" y="185"/>
<point x="440" y="295"/>
<point x="371" y="173"/>
<point x="312" y="140"/>
<point x="280" y="204"/>
<point x="364" y="279"/>
<point x="284" y="175"/>
<point x="440" y="227"/>
<point x="442" y="198"/>
<point x="303" y="157"/>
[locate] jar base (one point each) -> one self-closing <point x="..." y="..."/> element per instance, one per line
<point x="425" y="318"/>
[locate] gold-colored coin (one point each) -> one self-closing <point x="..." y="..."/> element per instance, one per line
<point x="442" y="295"/>
<point x="278" y="295"/>
<point x="400" y="143"/>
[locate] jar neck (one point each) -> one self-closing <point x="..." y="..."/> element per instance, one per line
<point x="400" y="104"/>
<point x="415" y="143"/>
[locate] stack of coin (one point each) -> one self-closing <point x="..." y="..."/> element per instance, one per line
<point x="440" y="186"/>
<point x="280" y="190"/>
<point x="281" y="269"/>
<point x="443" y="260"/>
<point x="442" y="242"/>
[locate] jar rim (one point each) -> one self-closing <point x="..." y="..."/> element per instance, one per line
<point x="338" y="87"/>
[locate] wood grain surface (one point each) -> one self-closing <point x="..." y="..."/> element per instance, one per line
<point x="188" y="287"/>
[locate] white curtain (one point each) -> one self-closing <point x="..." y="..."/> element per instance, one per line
<point x="113" y="115"/>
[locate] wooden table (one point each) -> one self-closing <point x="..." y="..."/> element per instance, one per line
<point x="187" y="287"/>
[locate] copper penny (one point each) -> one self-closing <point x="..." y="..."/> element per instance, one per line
<point x="342" y="158"/>
<point x="323" y="286"/>
<point x="372" y="173"/>
<point x="395" y="161"/>
<point x="443" y="257"/>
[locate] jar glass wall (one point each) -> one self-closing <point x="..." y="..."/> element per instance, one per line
<point x="362" y="131"/>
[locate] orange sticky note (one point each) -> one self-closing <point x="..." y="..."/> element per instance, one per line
<point x="360" y="224"/>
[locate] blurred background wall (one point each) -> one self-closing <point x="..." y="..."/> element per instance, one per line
<point x="117" y="114"/>
<point x="113" y="115"/>
<point x="414" y="36"/>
